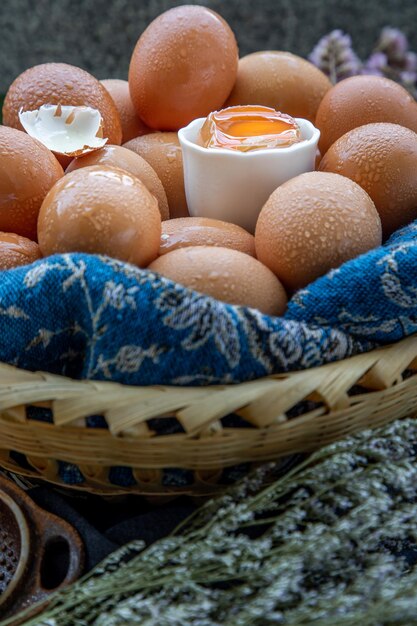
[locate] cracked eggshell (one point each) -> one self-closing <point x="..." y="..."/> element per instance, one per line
<point x="60" y="83"/>
<point x="65" y="130"/>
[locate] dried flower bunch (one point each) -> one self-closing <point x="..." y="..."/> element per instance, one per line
<point x="391" y="57"/>
<point x="333" y="541"/>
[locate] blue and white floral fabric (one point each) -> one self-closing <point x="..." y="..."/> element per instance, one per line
<point x="94" y="317"/>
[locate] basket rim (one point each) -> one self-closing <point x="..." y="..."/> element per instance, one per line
<point x="333" y="400"/>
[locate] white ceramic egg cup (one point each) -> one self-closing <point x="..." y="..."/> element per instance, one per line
<point x="233" y="186"/>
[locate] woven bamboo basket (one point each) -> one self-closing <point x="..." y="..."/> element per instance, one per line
<point x="283" y="414"/>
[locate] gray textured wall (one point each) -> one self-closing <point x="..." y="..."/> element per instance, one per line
<point x="99" y="35"/>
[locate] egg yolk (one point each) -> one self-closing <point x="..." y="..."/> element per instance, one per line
<point x="247" y="128"/>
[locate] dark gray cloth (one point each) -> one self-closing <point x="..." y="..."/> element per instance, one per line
<point x="105" y="525"/>
<point x="99" y="35"/>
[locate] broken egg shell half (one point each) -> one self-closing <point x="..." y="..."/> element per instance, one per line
<point x="67" y="130"/>
<point x="233" y="186"/>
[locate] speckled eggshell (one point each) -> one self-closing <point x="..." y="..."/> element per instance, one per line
<point x="101" y="210"/>
<point x="203" y="231"/>
<point x="382" y="159"/>
<point x="183" y="66"/>
<point x="163" y="152"/>
<point x="117" y="156"/>
<point x="313" y="223"/>
<point x="363" y="100"/>
<point x="228" y="275"/>
<point x="280" y="80"/>
<point x="16" y="251"/>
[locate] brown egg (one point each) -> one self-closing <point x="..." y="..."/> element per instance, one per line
<point x="203" y="231"/>
<point x="280" y="80"/>
<point x="163" y="152"/>
<point x="382" y="159"/>
<point x="16" y="251"/>
<point x="183" y="66"/>
<point x="104" y="210"/>
<point x="313" y="223"/>
<point x="63" y="160"/>
<point x="60" y="83"/>
<point x="363" y="100"/>
<point x="116" y="156"/>
<point x="132" y="125"/>
<point x="28" y="170"/>
<point x="228" y="275"/>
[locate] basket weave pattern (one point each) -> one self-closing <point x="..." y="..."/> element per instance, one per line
<point x="328" y="402"/>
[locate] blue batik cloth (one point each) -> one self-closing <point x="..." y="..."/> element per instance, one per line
<point x="94" y="317"/>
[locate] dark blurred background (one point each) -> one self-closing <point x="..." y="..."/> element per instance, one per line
<point x="99" y="35"/>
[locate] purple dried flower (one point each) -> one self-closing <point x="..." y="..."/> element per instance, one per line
<point x="408" y="80"/>
<point x="391" y="58"/>
<point x="394" y="43"/>
<point x="410" y="64"/>
<point x="376" y="64"/>
<point x="334" y="56"/>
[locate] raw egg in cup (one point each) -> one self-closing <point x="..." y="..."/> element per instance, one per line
<point x="235" y="158"/>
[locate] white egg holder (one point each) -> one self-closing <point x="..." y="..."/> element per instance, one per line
<point x="233" y="186"/>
